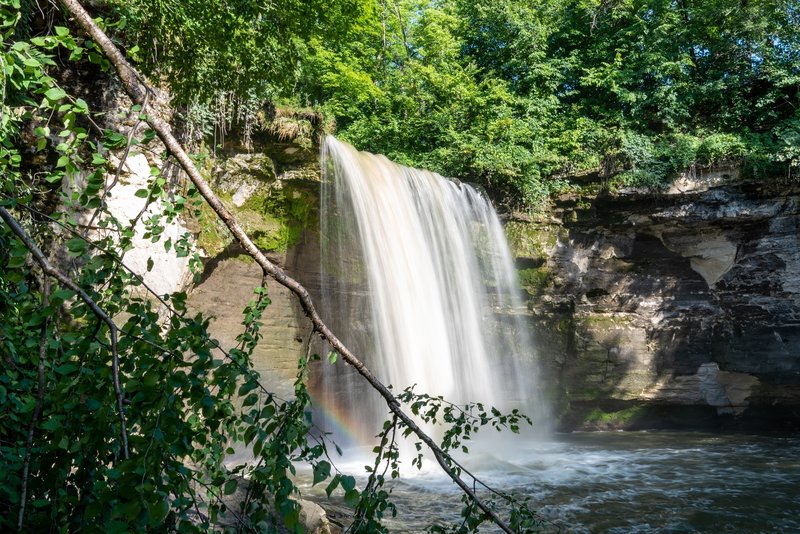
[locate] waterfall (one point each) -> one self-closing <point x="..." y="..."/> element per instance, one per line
<point x="418" y="280"/>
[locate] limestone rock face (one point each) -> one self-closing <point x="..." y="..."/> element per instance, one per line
<point x="685" y="298"/>
<point x="224" y="292"/>
<point x="679" y="308"/>
<point x="161" y="269"/>
<point x="269" y="190"/>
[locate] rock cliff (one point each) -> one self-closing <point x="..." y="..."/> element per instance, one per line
<point x="678" y="308"/>
<point x="672" y="309"/>
<point x="273" y="189"/>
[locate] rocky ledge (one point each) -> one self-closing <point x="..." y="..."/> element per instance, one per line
<point x="677" y="308"/>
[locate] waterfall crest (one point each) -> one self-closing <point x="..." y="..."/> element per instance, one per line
<point x="419" y="281"/>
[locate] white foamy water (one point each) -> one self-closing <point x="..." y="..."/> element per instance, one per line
<point x="419" y="281"/>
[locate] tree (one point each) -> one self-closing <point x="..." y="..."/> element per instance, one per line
<point x="517" y="95"/>
<point x="118" y="427"/>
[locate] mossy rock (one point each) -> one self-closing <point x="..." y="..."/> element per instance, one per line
<point x="273" y="216"/>
<point x="531" y="240"/>
<point x="614" y="419"/>
<point x="535" y="281"/>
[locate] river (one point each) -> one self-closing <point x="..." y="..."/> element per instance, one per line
<point x="626" y="482"/>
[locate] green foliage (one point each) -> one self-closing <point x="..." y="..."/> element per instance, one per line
<point x="720" y="147"/>
<point x="185" y="398"/>
<point x="513" y="95"/>
<point x="152" y="455"/>
<point x="516" y="94"/>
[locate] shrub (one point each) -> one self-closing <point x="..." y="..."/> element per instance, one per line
<point x="720" y="147"/>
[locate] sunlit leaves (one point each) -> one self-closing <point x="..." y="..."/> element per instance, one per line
<point x="180" y="390"/>
<point x="515" y="94"/>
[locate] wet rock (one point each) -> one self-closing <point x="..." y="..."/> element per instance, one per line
<point x="689" y="297"/>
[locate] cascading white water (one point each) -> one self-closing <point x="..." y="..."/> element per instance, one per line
<point x="419" y="281"/>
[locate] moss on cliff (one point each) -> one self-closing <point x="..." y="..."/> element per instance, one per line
<point x="212" y="234"/>
<point x="613" y="419"/>
<point x="273" y="210"/>
<point x="280" y="216"/>
<point x="529" y="240"/>
<point x="535" y="281"/>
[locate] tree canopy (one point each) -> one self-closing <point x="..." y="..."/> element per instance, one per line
<point x="512" y="95"/>
<point x="515" y="94"/>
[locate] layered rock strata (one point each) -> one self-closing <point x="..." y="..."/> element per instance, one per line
<point x="672" y="309"/>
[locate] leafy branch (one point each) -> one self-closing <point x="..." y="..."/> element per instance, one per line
<point x="52" y="272"/>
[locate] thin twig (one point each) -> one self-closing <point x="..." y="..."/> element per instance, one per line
<point x="37" y="410"/>
<point x="51" y="271"/>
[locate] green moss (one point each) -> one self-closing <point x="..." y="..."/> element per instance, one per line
<point x="212" y="234"/>
<point x="535" y="281"/>
<point x="530" y="240"/>
<point x="616" y="419"/>
<point x="279" y="216"/>
<point x="273" y="217"/>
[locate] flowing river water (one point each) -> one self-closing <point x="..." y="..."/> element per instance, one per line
<point x="623" y="482"/>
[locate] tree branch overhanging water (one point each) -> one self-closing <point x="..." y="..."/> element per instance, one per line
<point x="137" y="89"/>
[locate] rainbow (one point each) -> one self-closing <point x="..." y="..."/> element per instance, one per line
<point x="332" y="416"/>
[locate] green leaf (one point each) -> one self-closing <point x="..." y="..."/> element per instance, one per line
<point x="66" y="368"/>
<point x="159" y="511"/>
<point x="81" y="106"/>
<point x="268" y="411"/>
<point x="61" y="31"/>
<point x="76" y="246"/>
<point x="348" y="483"/>
<point x="55" y="94"/>
<point x="322" y="470"/>
<point x="230" y="486"/>
<point x="52" y="424"/>
<point x="16" y="261"/>
<point x="332" y="485"/>
<point x="247" y="387"/>
<point x="351" y="497"/>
